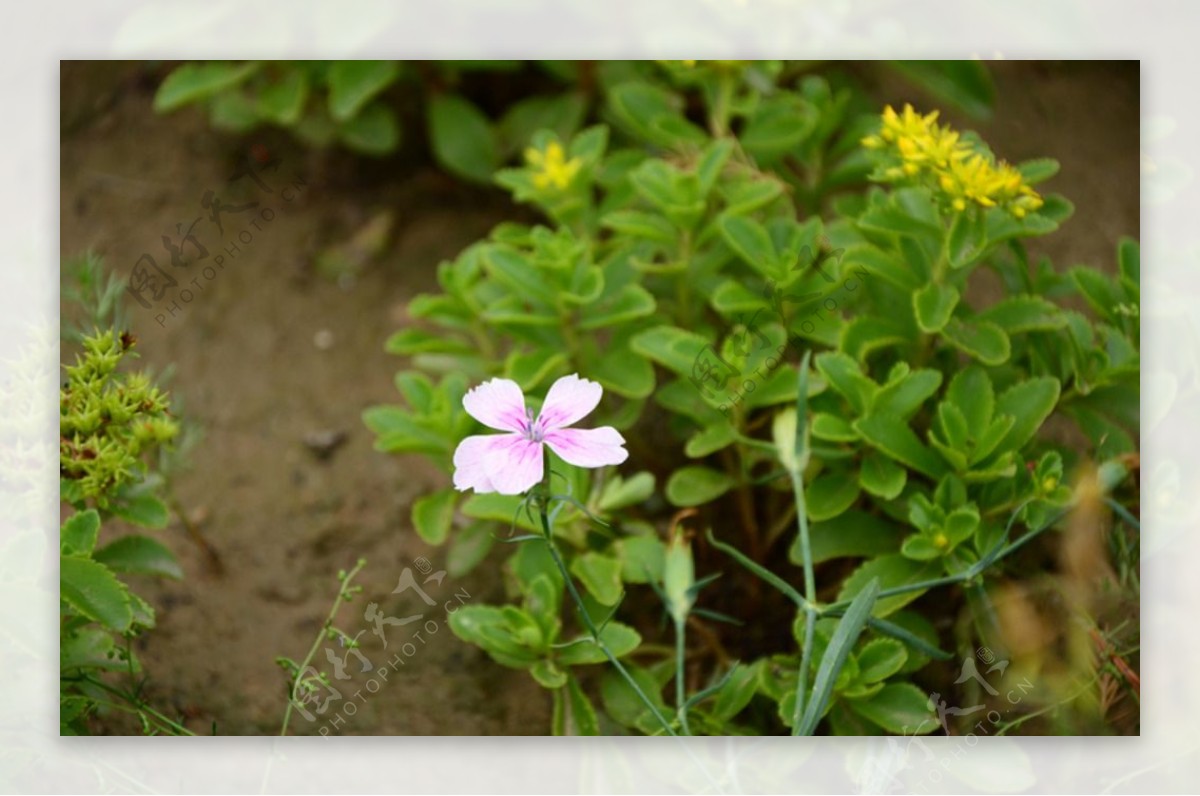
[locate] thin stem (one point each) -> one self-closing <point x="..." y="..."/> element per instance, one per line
<point x="342" y="596"/>
<point x="680" y="685"/>
<point x="591" y="626"/>
<point x="810" y="596"/>
<point x="136" y="705"/>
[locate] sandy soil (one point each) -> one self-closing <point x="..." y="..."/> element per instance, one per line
<point x="267" y="352"/>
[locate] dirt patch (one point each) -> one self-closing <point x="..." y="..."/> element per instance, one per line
<point x="266" y="352"/>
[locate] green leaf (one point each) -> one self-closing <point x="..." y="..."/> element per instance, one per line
<point x="830" y="494"/>
<point x="739" y="688"/>
<point x="631" y="302"/>
<point x="233" y="111"/>
<point x="1025" y="313"/>
<point x="879" y="659"/>
<point x="967" y="239"/>
<point x="920" y="547"/>
<point x="145" y="510"/>
<point x="543" y="601"/>
<point x="89" y="648"/>
<point x="498" y="632"/>
<point x="892" y="436"/>
<point x="582" y="714"/>
<point x="410" y="341"/>
<point x="562" y="114"/>
<point x="671" y="347"/>
<point x="881" y="476"/>
<point x="623" y="371"/>
<point x="375" y="131"/>
<point x="899" y="708"/>
<point x="778" y="125"/>
<point x="886" y="266"/>
<point x="196" y="81"/>
<point x="712" y="163"/>
<point x="517" y="272"/>
<point x="866" y="334"/>
<point x="600" y="575"/>
<point x="620" y="640"/>
<point x="971" y="391"/>
<point x="710" y="440"/>
<point x="530" y="369"/>
<point x="353" y="83"/>
<point x="854" y="534"/>
<point x="622" y="492"/>
<point x="642" y="558"/>
<point x="752" y="243"/>
<point x="94" y="591"/>
<point x="845" y="376"/>
<point x="832" y="428"/>
<point x="893" y="571"/>
<point x="652" y="115"/>
<point x="844" y="638"/>
<point x="1097" y="289"/>
<point x="462" y="138"/>
<point x="983" y="340"/>
<point x="902" y="396"/>
<point x="1038" y="169"/>
<point x="694" y="486"/>
<point x="623" y="703"/>
<point x="470" y="547"/>
<point x="140" y="555"/>
<point x="1129" y="260"/>
<point x="748" y="195"/>
<point x="432" y="515"/>
<point x="640" y="224"/>
<point x="933" y="306"/>
<point x="1030" y="402"/>
<point x="78" y="534"/>
<point x="283" y="102"/>
<point x="548" y="674"/>
<point x="991" y="438"/>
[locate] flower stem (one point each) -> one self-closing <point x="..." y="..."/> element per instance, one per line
<point x="680" y="684"/>
<point x="590" y="625"/>
<point x="810" y="596"/>
<point x="342" y="596"/>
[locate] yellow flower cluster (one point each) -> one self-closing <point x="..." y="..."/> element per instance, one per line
<point x="925" y="148"/>
<point x="551" y="166"/>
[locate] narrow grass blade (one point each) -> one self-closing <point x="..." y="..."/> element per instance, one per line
<point x="844" y="638"/>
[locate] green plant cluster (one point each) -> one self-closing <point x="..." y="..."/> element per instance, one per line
<point x="365" y="106"/>
<point x="692" y="267"/>
<point x="110" y="424"/>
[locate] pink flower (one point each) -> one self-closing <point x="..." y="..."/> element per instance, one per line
<point x="512" y="463"/>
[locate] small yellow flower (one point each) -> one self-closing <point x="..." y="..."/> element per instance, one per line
<point x="925" y="151"/>
<point x="1049" y="484"/>
<point x="941" y="541"/>
<point x="551" y="166"/>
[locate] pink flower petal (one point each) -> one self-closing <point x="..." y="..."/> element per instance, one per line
<point x="498" y="404"/>
<point x="570" y="399"/>
<point x="513" y="464"/>
<point x="469" y="472"/>
<point x="588" y="447"/>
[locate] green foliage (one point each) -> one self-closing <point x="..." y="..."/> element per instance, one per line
<point x="695" y="269"/>
<point x="111" y="422"/>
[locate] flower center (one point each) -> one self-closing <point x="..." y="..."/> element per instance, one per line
<point x="534" y="430"/>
